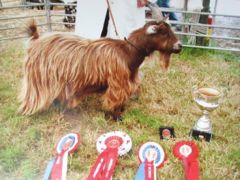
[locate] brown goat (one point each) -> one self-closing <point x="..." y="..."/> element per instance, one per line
<point x="68" y="67"/>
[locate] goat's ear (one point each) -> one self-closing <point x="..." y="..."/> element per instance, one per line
<point x="153" y="29"/>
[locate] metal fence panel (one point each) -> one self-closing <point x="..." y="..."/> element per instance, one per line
<point x="49" y="19"/>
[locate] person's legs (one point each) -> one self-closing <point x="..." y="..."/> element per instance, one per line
<point x="172" y="16"/>
<point x="105" y="25"/>
<point x="165" y="3"/>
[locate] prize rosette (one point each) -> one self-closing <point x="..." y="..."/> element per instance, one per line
<point x="110" y="146"/>
<point x="187" y="151"/>
<point x="151" y="156"/>
<point x="69" y="142"/>
<point x="57" y="168"/>
<point x="114" y="139"/>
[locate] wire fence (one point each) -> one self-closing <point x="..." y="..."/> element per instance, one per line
<point x="52" y="16"/>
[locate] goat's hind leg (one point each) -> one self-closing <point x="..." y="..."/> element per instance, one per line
<point x="75" y="99"/>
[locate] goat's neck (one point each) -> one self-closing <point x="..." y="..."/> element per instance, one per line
<point x="138" y="52"/>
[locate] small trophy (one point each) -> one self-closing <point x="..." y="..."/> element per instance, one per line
<point x="208" y="100"/>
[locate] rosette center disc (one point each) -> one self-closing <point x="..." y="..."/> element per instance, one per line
<point x="185" y="150"/>
<point x="114" y="142"/>
<point x="115" y="139"/>
<point x="152" y="151"/>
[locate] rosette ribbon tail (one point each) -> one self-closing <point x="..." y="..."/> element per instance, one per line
<point x="140" y="175"/>
<point x="110" y="164"/>
<point x="104" y="165"/>
<point x="186" y="168"/>
<point x="150" y="170"/>
<point x="193" y="172"/>
<point x="146" y="171"/>
<point x="96" y="170"/>
<point x="59" y="169"/>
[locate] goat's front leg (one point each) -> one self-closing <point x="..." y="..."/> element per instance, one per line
<point x="164" y="61"/>
<point x="137" y="81"/>
<point x="116" y="114"/>
<point x="114" y="100"/>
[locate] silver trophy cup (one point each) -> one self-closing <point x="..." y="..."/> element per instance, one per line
<point x="208" y="100"/>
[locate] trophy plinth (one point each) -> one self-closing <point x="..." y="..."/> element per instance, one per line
<point x="208" y="100"/>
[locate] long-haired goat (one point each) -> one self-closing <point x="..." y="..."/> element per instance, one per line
<point x="68" y="67"/>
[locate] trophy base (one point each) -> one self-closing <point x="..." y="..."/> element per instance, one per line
<point x="201" y="135"/>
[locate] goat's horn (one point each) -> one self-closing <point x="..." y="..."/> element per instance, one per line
<point x="156" y="11"/>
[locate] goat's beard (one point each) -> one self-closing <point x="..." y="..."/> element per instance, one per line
<point x="164" y="60"/>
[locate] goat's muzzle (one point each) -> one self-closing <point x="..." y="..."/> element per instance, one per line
<point x="177" y="47"/>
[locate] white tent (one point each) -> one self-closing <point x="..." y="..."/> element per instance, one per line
<point x="91" y="15"/>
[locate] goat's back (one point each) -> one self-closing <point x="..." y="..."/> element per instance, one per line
<point x="71" y="56"/>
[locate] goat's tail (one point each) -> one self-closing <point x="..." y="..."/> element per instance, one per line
<point x="32" y="29"/>
<point x="34" y="95"/>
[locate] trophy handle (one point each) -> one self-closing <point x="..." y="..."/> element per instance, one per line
<point x="195" y="87"/>
<point x="194" y="91"/>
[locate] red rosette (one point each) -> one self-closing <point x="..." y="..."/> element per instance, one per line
<point x="110" y="146"/>
<point x="114" y="139"/>
<point x="185" y="150"/>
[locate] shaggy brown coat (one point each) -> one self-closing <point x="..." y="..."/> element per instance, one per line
<point x="68" y="67"/>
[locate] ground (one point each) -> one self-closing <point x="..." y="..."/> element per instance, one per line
<point x="27" y="142"/>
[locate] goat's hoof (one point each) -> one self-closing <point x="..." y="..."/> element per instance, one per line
<point x="107" y="115"/>
<point x="119" y="119"/>
<point x="110" y="115"/>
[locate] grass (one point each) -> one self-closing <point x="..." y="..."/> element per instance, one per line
<point x="27" y="143"/>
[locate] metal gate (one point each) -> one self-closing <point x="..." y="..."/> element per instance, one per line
<point x="51" y="17"/>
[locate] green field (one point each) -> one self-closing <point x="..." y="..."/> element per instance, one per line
<point x="27" y="143"/>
